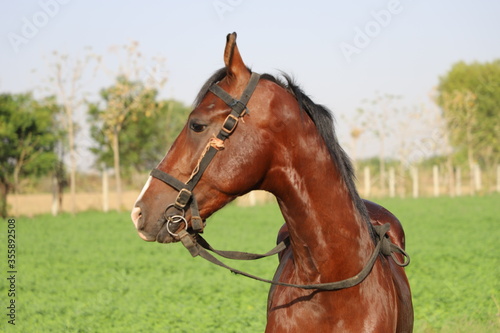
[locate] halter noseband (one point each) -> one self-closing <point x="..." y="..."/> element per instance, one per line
<point x="186" y="196"/>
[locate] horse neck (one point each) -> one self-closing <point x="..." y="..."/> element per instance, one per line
<point x="329" y="238"/>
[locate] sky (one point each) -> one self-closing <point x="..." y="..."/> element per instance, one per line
<point x="339" y="52"/>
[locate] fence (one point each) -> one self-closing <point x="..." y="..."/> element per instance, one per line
<point x="397" y="182"/>
<point x="435" y="181"/>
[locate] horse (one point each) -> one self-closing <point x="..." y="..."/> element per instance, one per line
<point x="333" y="274"/>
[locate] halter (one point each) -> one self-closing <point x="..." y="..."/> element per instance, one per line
<point x="197" y="245"/>
<point x="174" y="213"/>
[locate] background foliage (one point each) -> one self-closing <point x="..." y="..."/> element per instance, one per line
<point x="27" y="140"/>
<point x="144" y="139"/>
<point x="482" y="82"/>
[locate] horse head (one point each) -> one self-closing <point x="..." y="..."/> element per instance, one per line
<point x="242" y="161"/>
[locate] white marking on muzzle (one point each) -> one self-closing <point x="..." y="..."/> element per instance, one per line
<point x="135" y="215"/>
<point x="144" y="189"/>
<point x="136" y="211"/>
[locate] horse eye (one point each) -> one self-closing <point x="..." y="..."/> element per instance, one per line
<point x="198" y="128"/>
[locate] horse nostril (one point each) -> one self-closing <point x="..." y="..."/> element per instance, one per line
<point x="136" y="215"/>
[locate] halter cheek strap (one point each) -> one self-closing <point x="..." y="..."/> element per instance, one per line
<point x="174" y="213"/>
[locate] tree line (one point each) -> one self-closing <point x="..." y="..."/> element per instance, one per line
<point x="460" y="137"/>
<point x="132" y="128"/>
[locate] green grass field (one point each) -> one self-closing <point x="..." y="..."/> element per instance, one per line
<point x="92" y="273"/>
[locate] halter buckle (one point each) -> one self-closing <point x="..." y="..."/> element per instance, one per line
<point x="229" y="124"/>
<point x="183" y="198"/>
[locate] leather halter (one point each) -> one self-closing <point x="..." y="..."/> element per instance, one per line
<point x="185" y="196"/>
<point x="197" y="245"/>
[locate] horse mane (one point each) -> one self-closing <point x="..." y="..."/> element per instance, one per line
<point x="324" y="121"/>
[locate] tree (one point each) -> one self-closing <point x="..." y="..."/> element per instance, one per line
<point x="66" y="79"/>
<point x="357" y="127"/>
<point x="460" y="110"/>
<point x="144" y="139"/>
<point x="132" y="96"/>
<point x="469" y="95"/>
<point x="27" y="139"/>
<point x="380" y="113"/>
<point x="124" y="101"/>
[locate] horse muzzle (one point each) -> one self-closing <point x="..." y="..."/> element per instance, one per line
<point x="165" y="229"/>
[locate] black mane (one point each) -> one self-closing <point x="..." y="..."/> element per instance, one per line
<point x="324" y="121"/>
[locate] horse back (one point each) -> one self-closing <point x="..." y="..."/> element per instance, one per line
<point x="379" y="216"/>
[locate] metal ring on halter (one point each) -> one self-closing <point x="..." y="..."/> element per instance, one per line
<point x="178" y="220"/>
<point x="167" y="217"/>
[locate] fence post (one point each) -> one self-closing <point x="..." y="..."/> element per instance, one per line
<point x="458" y="181"/>
<point x="367" y="181"/>
<point x="105" y="189"/>
<point x="414" y="177"/>
<point x="477" y="177"/>
<point x="435" y="180"/>
<point x="55" y="199"/>
<point x="472" y="190"/>
<point x="451" y="180"/>
<point x="392" y="182"/>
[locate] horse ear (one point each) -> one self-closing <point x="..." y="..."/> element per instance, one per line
<point x="232" y="58"/>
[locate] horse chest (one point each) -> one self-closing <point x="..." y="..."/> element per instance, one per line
<point x="299" y="311"/>
<point x="356" y="309"/>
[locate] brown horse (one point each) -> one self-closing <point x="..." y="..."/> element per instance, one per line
<point x="276" y="139"/>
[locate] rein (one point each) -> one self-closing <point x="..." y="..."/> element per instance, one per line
<point x="384" y="246"/>
<point x="174" y="214"/>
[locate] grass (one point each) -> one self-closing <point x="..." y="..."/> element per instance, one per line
<point x="92" y="273"/>
<point x="455" y="270"/>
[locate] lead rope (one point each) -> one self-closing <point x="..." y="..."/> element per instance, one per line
<point x="198" y="246"/>
<point x="215" y="143"/>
